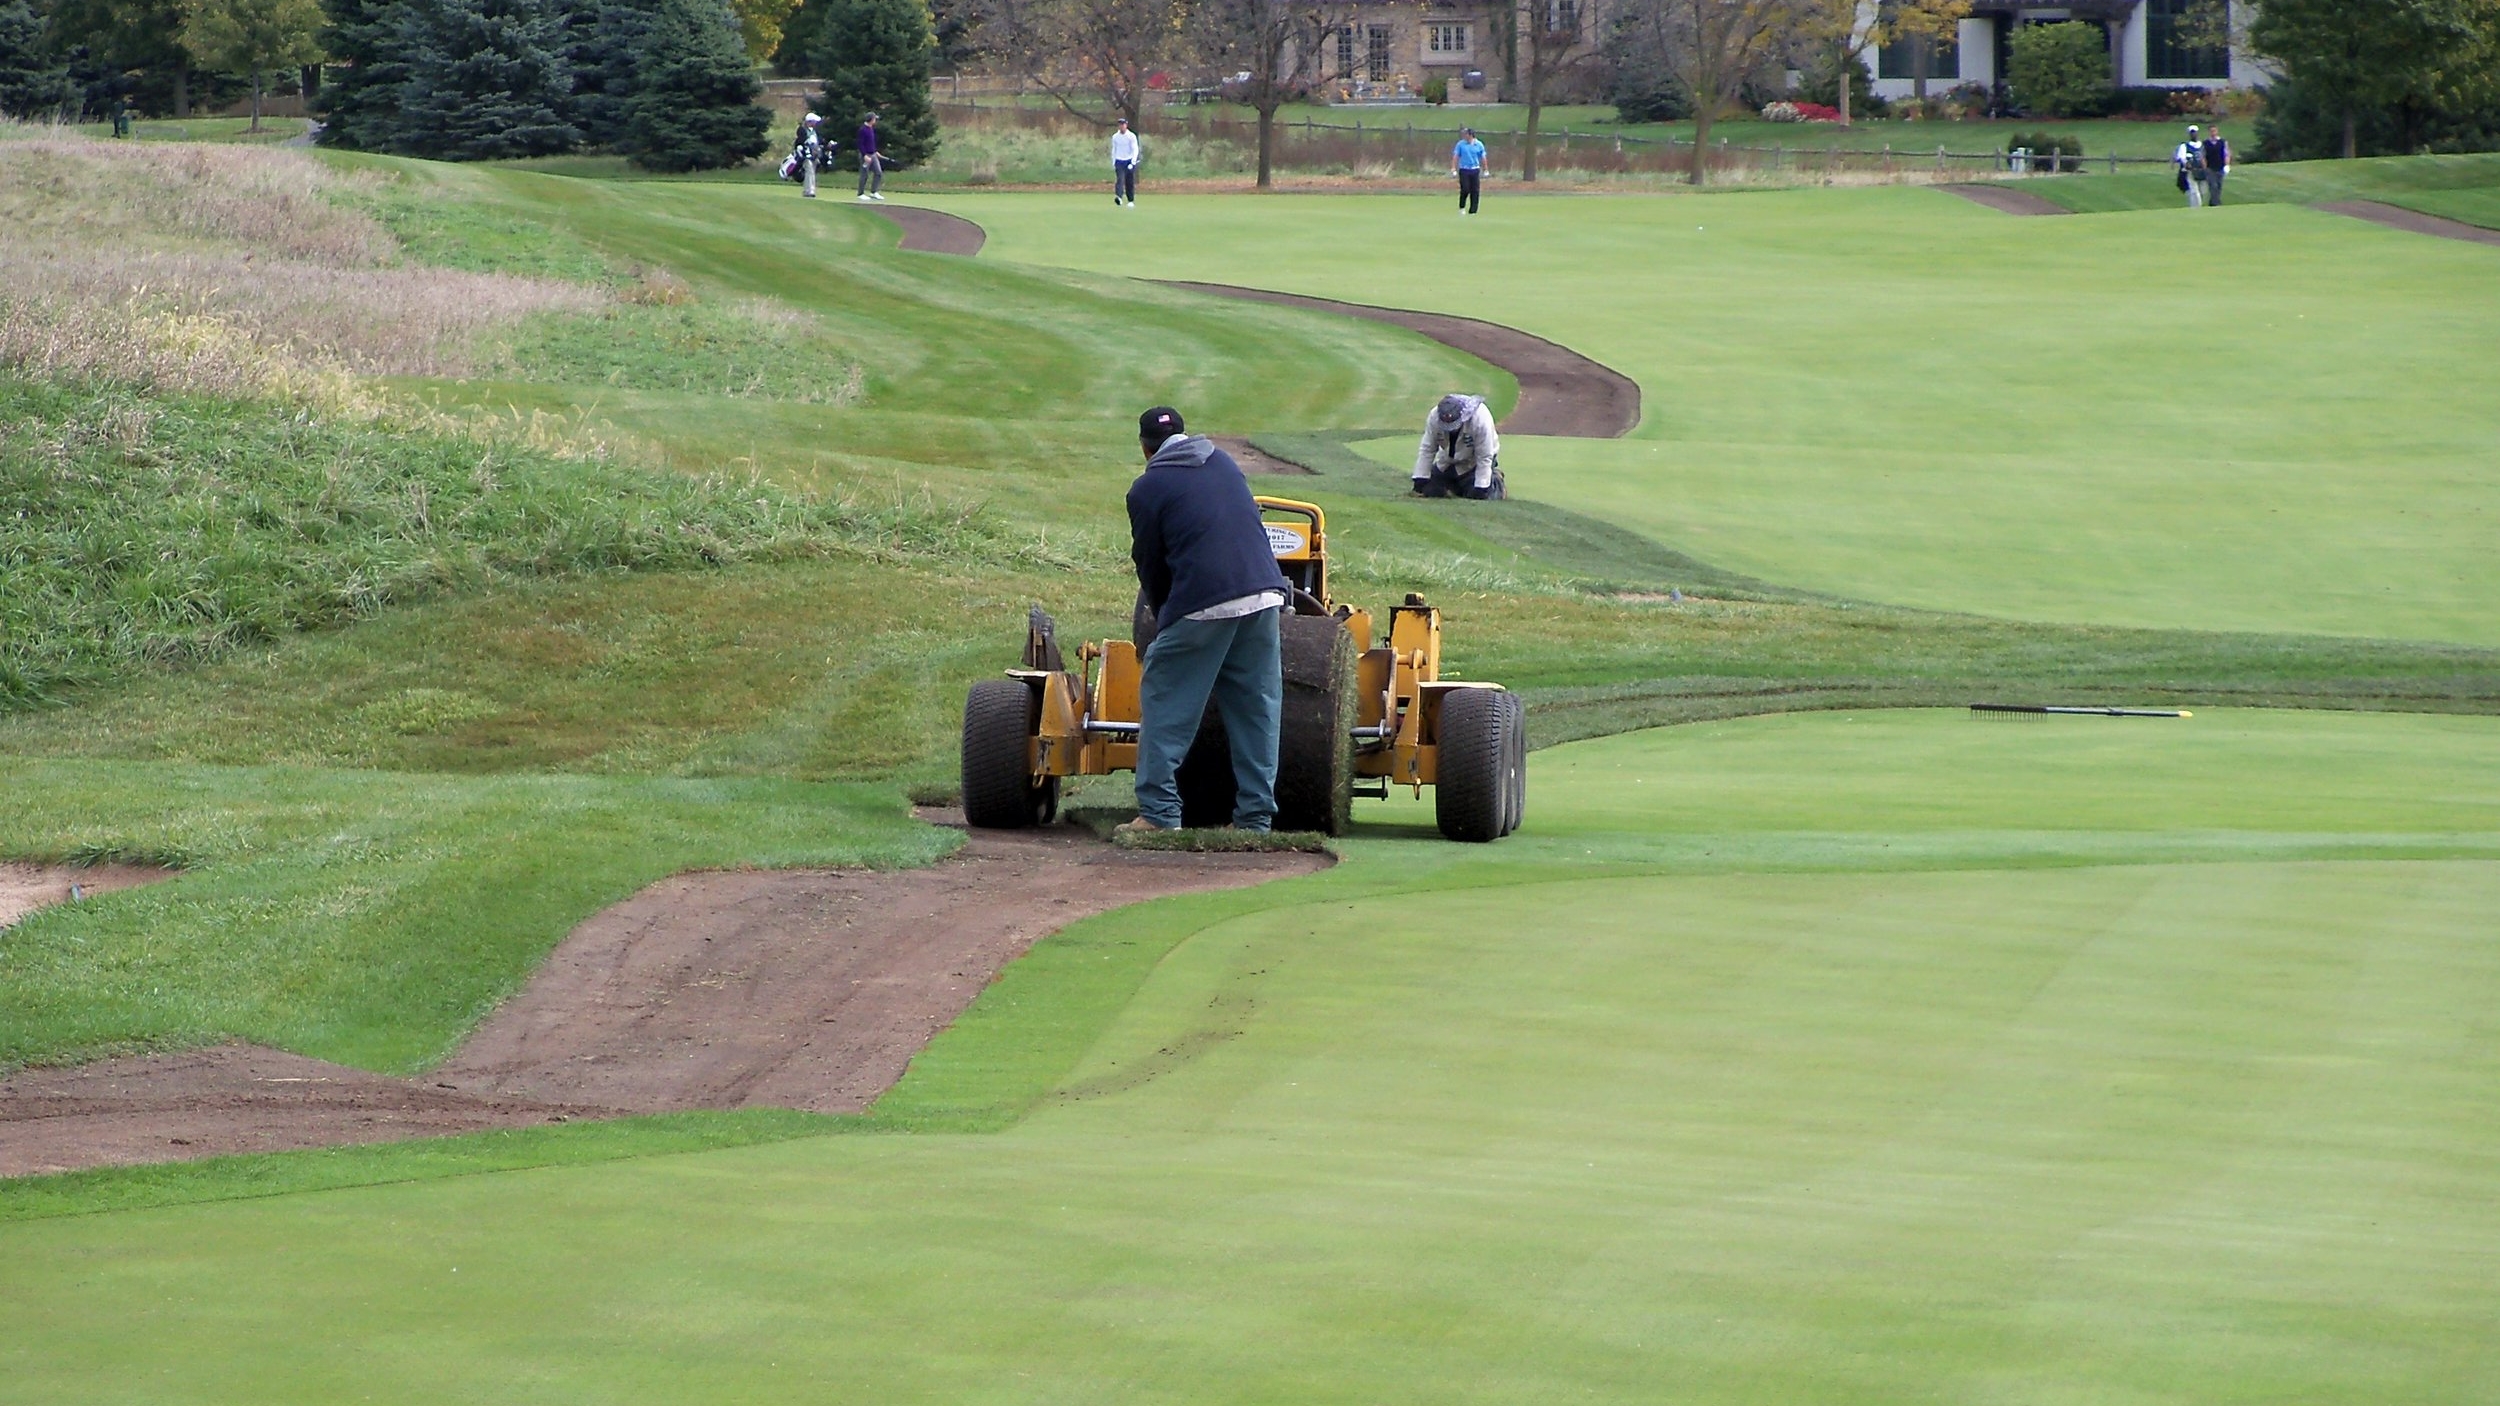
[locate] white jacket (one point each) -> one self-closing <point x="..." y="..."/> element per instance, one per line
<point x="1124" y="146"/>
<point x="1475" y="443"/>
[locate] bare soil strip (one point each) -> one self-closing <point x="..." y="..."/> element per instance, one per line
<point x="935" y="231"/>
<point x="2006" y="198"/>
<point x="2412" y="221"/>
<point x="1254" y="460"/>
<point x="24" y="888"/>
<point x="809" y="989"/>
<point x="1560" y="391"/>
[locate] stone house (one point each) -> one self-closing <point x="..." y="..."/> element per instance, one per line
<point x="1389" y="49"/>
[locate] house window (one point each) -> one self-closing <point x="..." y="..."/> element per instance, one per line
<point x="1562" y="16"/>
<point x="1448" y="40"/>
<point x="2173" y="35"/>
<point x="1899" y="59"/>
<point x="1376" y="53"/>
<point x="1345" y="51"/>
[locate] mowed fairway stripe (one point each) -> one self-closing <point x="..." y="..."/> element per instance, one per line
<point x="2267" y="418"/>
<point x="1568" y="1119"/>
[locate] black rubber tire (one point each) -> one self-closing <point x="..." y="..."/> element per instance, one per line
<point x="1517" y="790"/>
<point x="1471" y="788"/>
<point x="1315" y="737"/>
<point x="999" y="794"/>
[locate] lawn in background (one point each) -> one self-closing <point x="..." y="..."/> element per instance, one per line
<point x="2256" y="418"/>
<point x="2461" y="187"/>
<point x="1758" y="1066"/>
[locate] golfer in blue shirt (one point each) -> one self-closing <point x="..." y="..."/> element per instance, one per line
<point x="1467" y="163"/>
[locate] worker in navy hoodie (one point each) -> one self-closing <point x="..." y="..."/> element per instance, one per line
<point x="1206" y="571"/>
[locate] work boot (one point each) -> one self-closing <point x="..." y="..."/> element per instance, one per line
<point x="1141" y="826"/>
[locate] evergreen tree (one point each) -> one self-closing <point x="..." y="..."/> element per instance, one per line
<point x="136" y="48"/>
<point x="360" y="102"/>
<point x="874" y="55"/>
<point x="34" y="84"/>
<point x="608" y="40"/>
<point x="2359" y="62"/>
<point x="694" y="102"/>
<point x="487" y="79"/>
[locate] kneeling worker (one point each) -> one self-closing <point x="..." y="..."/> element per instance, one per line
<point x="1461" y="455"/>
<point x="1207" y="572"/>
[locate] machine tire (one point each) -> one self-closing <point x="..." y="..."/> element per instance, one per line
<point x="1315" y="737"/>
<point x="1518" y="787"/>
<point x="1471" y="789"/>
<point x="999" y="794"/>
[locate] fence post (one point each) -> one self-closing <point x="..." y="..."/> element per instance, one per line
<point x="1887" y="158"/>
<point x="1779" y="156"/>
<point x="2113" y="161"/>
<point x="1939" y="158"/>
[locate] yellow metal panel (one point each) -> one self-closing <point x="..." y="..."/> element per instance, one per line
<point x="1115" y="697"/>
<point x="1373" y="674"/>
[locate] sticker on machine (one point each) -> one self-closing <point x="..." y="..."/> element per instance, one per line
<point x="1285" y="541"/>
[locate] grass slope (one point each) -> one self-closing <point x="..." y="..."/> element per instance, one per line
<point x="365" y="917"/>
<point x="1749" y="1070"/>
<point x="1888" y="395"/>
<point x="2460" y="187"/>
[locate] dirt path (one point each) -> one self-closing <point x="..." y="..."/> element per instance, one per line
<point x="2412" y="221"/>
<point x="1560" y="391"/>
<point x="935" y="231"/>
<point x="2006" y="198"/>
<point x="804" y="989"/>
<point x="27" y="887"/>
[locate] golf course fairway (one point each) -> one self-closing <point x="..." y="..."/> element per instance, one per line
<point x="2253" y="418"/>
<point x="1747" y="1072"/>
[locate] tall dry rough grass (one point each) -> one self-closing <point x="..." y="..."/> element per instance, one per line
<point x="227" y="270"/>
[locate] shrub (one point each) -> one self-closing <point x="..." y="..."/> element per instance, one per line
<point x="1437" y="89"/>
<point x="1649" y="97"/>
<point x="2059" y="70"/>
<point x="487" y="79"/>
<point x="694" y="101"/>
<point x="1782" y="112"/>
<point x="2052" y="151"/>
<point x="1822" y="85"/>
<point x="33" y="84"/>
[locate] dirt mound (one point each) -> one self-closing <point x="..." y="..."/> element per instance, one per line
<point x="2412" y="221"/>
<point x="1560" y="391"/>
<point x="935" y="231"/>
<point x="2007" y="199"/>
<point x="25" y="888"/>
<point x="805" y="989"/>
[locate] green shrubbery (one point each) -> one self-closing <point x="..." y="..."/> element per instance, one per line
<point x="2059" y="70"/>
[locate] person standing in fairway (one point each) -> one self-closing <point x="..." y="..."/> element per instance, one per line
<point x="871" y="165"/>
<point x="1204" y="567"/>
<point x="2217" y="165"/>
<point x="2189" y="157"/>
<point x="1124" y="156"/>
<point x="1467" y="163"/>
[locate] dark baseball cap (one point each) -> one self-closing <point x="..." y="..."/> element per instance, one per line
<point x="1159" y="423"/>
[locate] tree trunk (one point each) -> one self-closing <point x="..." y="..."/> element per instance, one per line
<point x="1536" y="115"/>
<point x="1919" y="51"/>
<point x="182" y="89"/>
<point x="1702" y="112"/>
<point x="256" y="87"/>
<point x="1848" y="60"/>
<point x="2352" y="135"/>
<point x="1267" y="141"/>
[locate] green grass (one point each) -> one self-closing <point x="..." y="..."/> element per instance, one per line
<point x="2461" y="187"/>
<point x="1879" y="395"/>
<point x="365" y="917"/>
<point x="1756" y="1064"/>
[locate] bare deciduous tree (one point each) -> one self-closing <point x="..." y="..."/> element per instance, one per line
<point x="1103" y="49"/>
<point x="1549" y="35"/>
<point x="1711" y="46"/>
<point x="1277" y="43"/>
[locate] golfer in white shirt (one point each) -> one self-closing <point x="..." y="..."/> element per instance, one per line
<point x="1124" y="154"/>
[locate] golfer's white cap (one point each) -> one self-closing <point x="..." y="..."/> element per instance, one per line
<point x="812" y="117"/>
<point x="2191" y="126"/>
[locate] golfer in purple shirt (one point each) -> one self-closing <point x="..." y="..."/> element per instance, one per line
<point x="871" y="165"/>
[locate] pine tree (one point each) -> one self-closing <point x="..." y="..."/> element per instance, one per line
<point x="874" y="55"/>
<point x="359" y="102"/>
<point x="607" y="41"/>
<point x="694" y="102"/>
<point x="34" y="84"/>
<point x="487" y="79"/>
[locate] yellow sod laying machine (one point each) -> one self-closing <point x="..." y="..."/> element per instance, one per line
<point x="1361" y="714"/>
